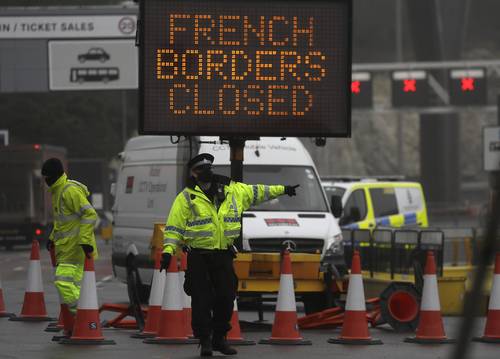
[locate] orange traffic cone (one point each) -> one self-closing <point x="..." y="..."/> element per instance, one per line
<point x="68" y="321"/>
<point x="155" y="299"/>
<point x="234" y="336"/>
<point x="59" y="325"/>
<point x="186" y="299"/>
<point x="430" y="328"/>
<point x="172" y="329"/>
<point x="34" y="300"/>
<point x="285" y="330"/>
<point x="56" y="327"/>
<point x="87" y="328"/>
<point x="3" y="312"/>
<point x="355" y="326"/>
<point x="492" y="329"/>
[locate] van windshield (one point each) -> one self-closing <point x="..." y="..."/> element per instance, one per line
<point x="309" y="195"/>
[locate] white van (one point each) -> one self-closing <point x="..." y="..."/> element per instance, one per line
<point x="152" y="174"/>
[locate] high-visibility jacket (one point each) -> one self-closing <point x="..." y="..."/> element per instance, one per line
<point x="195" y="221"/>
<point x="74" y="219"/>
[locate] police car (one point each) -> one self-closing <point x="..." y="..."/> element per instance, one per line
<point x="370" y="202"/>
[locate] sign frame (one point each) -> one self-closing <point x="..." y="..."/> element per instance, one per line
<point x="487" y="152"/>
<point x="221" y="133"/>
<point x="97" y="42"/>
<point x="68" y="26"/>
<point x="4" y="134"/>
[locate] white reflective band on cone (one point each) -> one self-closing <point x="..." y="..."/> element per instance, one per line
<point x="172" y="295"/>
<point x="430" y="295"/>
<point x="355" y="293"/>
<point x="286" y="295"/>
<point x="88" y="292"/>
<point x="35" y="283"/>
<point x="157" y="288"/>
<point x="495" y="293"/>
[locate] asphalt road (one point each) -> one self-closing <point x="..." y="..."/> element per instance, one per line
<point x="29" y="341"/>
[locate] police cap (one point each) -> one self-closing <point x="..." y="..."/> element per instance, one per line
<point x="200" y="160"/>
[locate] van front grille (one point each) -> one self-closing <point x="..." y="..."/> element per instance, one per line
<point x="303" y="245"/>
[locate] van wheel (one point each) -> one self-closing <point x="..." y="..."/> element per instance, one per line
<point x="314" y="302"/>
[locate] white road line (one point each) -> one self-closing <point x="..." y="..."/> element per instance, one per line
<point x="104" y="280"/>
<point x="18" y="269"/>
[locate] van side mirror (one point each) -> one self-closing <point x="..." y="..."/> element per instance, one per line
<point x="336" y="205"/>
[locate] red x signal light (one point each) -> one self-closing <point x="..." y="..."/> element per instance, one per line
<point x="467" y="84"/>
<point x="468" y="87"/>
<point x="356" y="87"/>
<point x="409" y="85"/>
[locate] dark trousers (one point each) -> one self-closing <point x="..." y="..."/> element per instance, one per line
<point x="212" y="285"/>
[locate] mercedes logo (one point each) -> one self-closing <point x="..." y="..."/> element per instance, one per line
<point x="289" y="245"/>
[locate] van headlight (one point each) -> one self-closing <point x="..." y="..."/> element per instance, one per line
<point x="337" y="246"/>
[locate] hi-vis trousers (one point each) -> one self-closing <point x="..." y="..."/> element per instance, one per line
<point x="67" y="281"/>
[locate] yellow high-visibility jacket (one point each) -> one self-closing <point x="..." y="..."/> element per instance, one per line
<point x="195" y="221"/>
<point x="74" y="219"/>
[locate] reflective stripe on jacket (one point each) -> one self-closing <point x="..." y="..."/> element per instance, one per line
<point x="195" y="221"/>
<point x="74" y="219"/>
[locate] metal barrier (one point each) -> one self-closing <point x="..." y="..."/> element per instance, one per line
<point x="348" y="246"/>
<point x="460" y="246"/>
<point x="432" y="240"/>
<point x="395" y="250"/>
<point x="405" y="247"/>
<point x="381" y="249"/>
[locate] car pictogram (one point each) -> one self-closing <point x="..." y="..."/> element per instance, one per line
<point x="94" y="54"/>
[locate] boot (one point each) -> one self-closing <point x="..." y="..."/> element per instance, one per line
<point x="220" y="344"/>
<point x="206" y="347"/>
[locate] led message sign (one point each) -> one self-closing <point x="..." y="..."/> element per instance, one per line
<point x="261" y="68"/>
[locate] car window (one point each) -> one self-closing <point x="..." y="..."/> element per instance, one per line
<point x="384" y="201"/>
<point x="355" y="203"/>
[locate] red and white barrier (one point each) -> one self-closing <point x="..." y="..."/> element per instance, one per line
<point x="3" y="311"/>
<point x="155" y="300"/>
<point x="87" y="328"/>
<point x="492" y="328"/>
<point x="355" y="326"/>
<point x="234" y="335"/>
<point x="285" y="329"/>
<point x="172" y="328"/>
<point x="430" y="328"/>
<point x="34" y="300"/>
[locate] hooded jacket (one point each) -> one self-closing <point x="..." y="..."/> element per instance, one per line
<point x="74" y="219"/>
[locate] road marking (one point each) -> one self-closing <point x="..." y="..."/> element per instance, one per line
<point x="18" y="269"/>
<point x="104" y="280"/>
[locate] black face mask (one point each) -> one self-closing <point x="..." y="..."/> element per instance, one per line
<point x="51" y="180"/>
<point x="206" y="175"/>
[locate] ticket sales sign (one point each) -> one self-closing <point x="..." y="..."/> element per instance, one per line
<point x="259" y="68"/>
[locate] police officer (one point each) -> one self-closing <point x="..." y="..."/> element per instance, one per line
<point x="206" y="218"/>
<point x="73" y="234"/>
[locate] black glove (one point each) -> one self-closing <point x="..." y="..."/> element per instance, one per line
<point x="49" y="245"/>
<point x="87" y="249"/>
<point x="290" y="190"/>
<point x="165" y="261"/>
